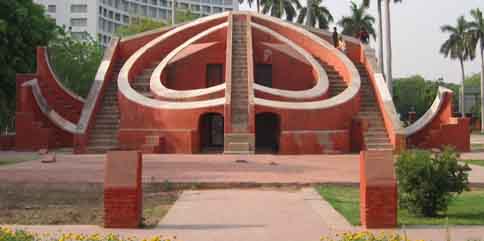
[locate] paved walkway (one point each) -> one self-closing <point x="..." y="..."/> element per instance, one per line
<point x="259" y="215"/>
<point x="213" y="168"/>
<point x="194" y="168"/>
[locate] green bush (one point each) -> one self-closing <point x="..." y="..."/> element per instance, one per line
<point x="427" y="182"/>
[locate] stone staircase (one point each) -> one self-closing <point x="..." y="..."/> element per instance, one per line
<point x="376" y="136"/>
<point x="104" y="134"/>
<point x="336" y="83"/>
<point x="141" y="84"/>
<point x="239" y="141"/>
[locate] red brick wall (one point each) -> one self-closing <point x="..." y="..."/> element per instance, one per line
<point x="300" y="76"/>
<point x="311" y="142"/>
<point x="122" y="190"/>
<point x="7" y="142"/>
<point x="444" y="130"/>
<point x="191" y="72"/>
<point x="378" y="190"/>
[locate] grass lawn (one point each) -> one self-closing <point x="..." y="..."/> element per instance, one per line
<point x="34" y="206"/>
<point x="466" y="209"/>
<point x="475" y="162"/>
<point x="13" y="159"/>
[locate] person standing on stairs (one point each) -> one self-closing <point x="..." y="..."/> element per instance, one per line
<point x="335" y="37"/>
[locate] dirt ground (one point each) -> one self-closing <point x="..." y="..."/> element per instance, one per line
<point x="49" y="205"/>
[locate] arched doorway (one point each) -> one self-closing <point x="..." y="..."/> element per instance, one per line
<point x="211" y="129"/>
<point x="267" y="129"/>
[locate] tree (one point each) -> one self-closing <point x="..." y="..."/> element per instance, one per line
<point x="417" y="94"/>
<point x="476" y="28"/>
<point x="139" y="25"/>
<point x="143" y="24"/>
<point x="428" y="182"/>
<point x="318" y="13"/>
<point x="380" y="33"/>
<point x="75" y="61"/>
<point x="458" y="46"/>
<point x="278" y="8"/>
<point x="359" y="19"/>
<point x="23" y="27"/>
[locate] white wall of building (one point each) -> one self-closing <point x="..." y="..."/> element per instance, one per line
<point x="101" y="18"/>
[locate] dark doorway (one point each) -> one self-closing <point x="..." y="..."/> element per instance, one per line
<point x="211" y="132"/>
<point x="214" y="74"/>
<point x="263" y="74"/>
<point x="267" y="129"/>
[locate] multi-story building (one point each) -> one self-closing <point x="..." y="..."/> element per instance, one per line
<point x="101" y="18"/>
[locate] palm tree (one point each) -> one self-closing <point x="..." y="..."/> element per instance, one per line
<point x="250" y="3"/>
<point x="358" y="20"/>
<point x="458" y="46"/>
<point x="318" y="13"/>
<point x="278" y="8"/>
<point x="476" y="28"/>
<point x="388" y="75"/>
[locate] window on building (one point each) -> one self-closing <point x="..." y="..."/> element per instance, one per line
<point x="153" y="12"/>
<point x="206" y="9"/>
<point x="79" y="35"/>
<point x="228" y="2"/>
<point x="78" y="22"/>
<point x="183" y="5"/>
<point x="79" y="8"/>
<point x="117" y="17"/>
<point x="217" y="10"/>
<point x="125" y="19"/>
<point x="51" y="8"/>
<point x="195" y="8"/>
<point x="154" y="2"/>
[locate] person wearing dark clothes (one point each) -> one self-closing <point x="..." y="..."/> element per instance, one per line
<point x="364" y="36"/>
<point x="335" y="37"/>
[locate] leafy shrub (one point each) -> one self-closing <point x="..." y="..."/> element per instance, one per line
<point x="428" y="182"/>
<point x="366" y="236"/>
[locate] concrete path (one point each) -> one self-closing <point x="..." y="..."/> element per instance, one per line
<point x="259" y="215"/>
<point x="194" y="169"/>
<point x="210" y="168"/>
<point x="240" y="215"/>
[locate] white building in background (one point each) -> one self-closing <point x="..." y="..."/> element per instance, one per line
<point x="101" y="18"/>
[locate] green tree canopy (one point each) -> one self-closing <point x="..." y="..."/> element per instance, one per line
<point x="23" y="27"/>
<point x="75" y="62"/>
<point x="417" y="94"/>
<point x="320" y="14"/>
<point x="359" y="19"/>
<point x="143" y="24"/>
<point x="279" y="8"/>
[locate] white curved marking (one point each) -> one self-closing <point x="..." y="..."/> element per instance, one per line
<point x="322" y="82"/>
<point x="50" y="113"/>
<point x="429" y="115"/>
<point x="124" y="86"/>
<point x="159" y="89"/>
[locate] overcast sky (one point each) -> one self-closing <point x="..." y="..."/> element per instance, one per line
<point x="416" y="35"/>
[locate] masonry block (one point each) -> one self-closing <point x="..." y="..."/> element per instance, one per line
<point x="378" y="189"/>
<point x="122" y="189"/>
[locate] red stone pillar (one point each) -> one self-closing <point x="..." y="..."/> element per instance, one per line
<point x="378" y="189"/>
<point x="122" y="189"/>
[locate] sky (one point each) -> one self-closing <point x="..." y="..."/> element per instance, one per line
<point x="416" y="35"/>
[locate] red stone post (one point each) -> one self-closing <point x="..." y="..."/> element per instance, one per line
<point x="378" y="189"/>
<point x="122" y="189"/>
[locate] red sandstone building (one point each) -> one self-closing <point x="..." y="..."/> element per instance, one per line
<point x="235" y="82"/>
